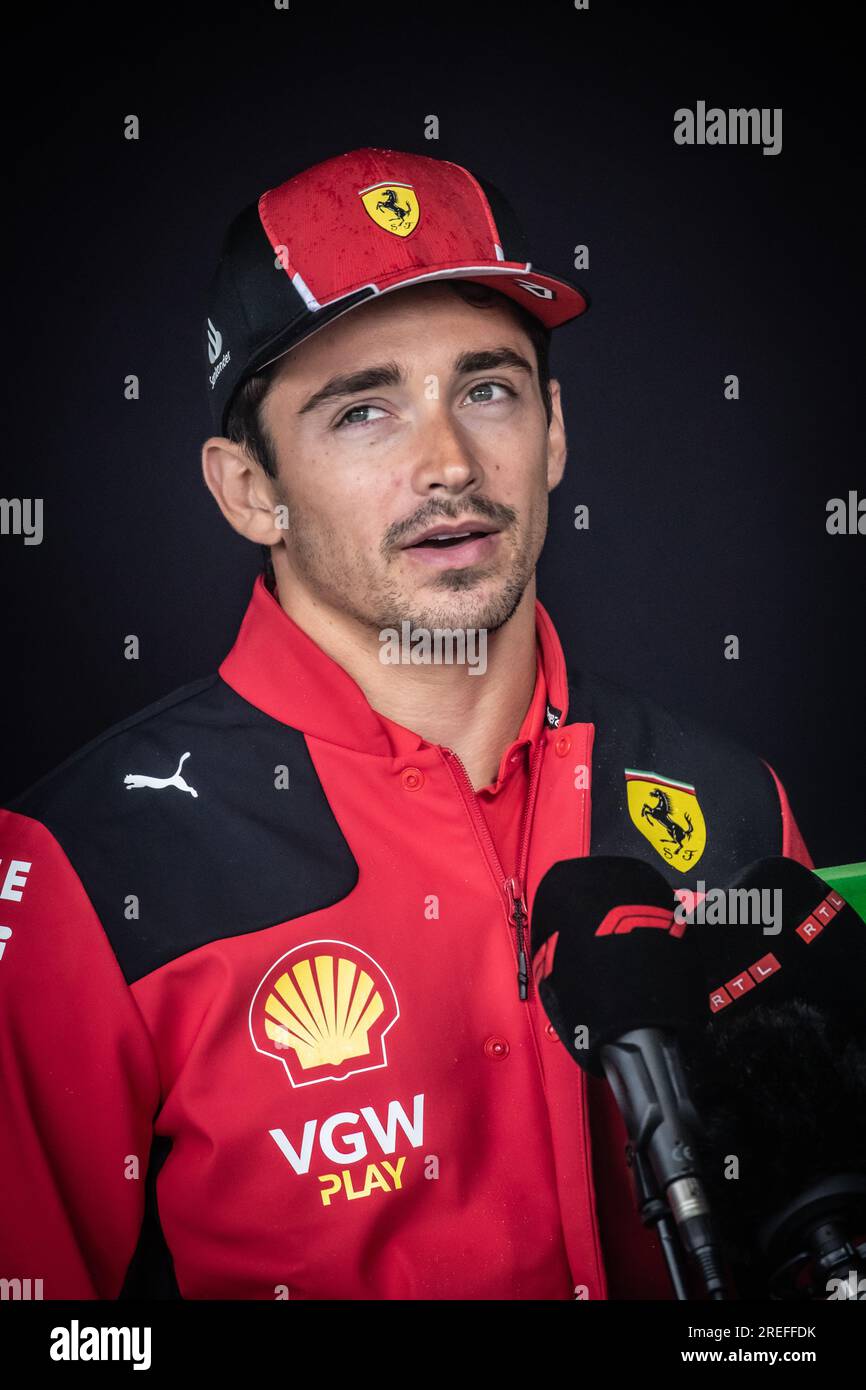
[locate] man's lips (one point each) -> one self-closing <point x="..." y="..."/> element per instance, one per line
<point x="442" y="533"/>
<point x="458" y="544"/>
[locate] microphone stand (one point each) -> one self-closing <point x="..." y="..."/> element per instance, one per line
<point x="645" y="1073"/>
<point x="810" y="1234"/>
<point x="653" y="1211"/>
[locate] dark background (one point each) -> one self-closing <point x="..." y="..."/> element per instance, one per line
<point x="707" y="516"/>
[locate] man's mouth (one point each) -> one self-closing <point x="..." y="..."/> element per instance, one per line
<point x="458" y="544"/>
<point x="441" y="542"/>
<point x="443" y="537"/>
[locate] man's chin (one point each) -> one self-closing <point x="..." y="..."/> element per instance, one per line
<point x="478" y="603"/>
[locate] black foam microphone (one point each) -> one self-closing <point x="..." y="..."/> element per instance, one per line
<point x="620" y="981"/>
<point x="778" y="1074"/>
<point x="780" y="931"/>
<point x="781" y="1090"/>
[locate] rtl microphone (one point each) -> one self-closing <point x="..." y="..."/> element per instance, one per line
<point x="780" y="917"/>
<point x="778" y="1074"/>
<point x="619" y="981"/>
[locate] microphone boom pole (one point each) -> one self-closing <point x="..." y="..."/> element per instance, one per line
<point x="644" y="1072"/>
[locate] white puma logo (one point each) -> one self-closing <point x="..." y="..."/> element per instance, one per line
<point x="138" y="779"/>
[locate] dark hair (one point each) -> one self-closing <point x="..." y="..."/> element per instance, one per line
<point x="245" y="426"/>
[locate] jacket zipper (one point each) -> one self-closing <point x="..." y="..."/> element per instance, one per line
<point x="517" y="918"/>
<point x="513" y="888"/>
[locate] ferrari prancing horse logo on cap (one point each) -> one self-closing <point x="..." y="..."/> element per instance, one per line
<point x="392" y="206"/>
<point x="668" y="814"/>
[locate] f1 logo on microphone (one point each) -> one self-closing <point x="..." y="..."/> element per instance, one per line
<point x="627" y="917"/>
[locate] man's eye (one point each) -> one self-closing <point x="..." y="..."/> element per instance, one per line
<point x="351" y="417"/>
<point x="356" y="410"/>
<point x="488" y="385"/>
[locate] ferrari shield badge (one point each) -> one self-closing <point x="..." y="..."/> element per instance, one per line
<point x="669" y="815"/>
<point x="392" y="206"/>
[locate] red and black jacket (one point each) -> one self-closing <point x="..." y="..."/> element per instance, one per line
<point x="262" y="1031"/>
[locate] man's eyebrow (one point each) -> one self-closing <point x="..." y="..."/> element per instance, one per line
<point x="353" y="383"/>
<point x="488" y="359"/>
<point x="390" y="374"/>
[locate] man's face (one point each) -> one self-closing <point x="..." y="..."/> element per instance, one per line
<point x="443" y="427"/>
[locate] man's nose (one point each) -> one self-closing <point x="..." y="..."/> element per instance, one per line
<point x="444" y="457"/>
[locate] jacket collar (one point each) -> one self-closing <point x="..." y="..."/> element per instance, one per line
<point x="277" y="667"/>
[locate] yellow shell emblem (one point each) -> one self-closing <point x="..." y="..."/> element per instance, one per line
<point x="324" y="1013"/>
<point x="392" y="206"/>
<point x="668" y="814"/>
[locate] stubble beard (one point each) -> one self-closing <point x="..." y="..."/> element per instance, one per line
<point x="455" y="599"/>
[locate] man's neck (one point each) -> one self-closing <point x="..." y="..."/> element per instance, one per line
<point x="475" y="715"/>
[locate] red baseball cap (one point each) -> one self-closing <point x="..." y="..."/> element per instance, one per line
<point x="352" y="227"/>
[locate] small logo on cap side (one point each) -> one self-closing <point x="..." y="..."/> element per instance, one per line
<point x="214" y="342"/>
<point x="214" y="348"/>
<point x="540" y="291"/>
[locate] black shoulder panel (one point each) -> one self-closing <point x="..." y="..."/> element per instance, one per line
<point x="242" y="854"/>
<point x="734" y="790"/>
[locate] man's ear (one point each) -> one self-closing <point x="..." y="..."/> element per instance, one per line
<point x="244" y="493"/>
<point x="557" y="450"/>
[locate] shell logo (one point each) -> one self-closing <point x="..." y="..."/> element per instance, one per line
<point x="323" y="1010"/>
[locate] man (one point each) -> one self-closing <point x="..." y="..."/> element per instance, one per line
<point x="272" y="1029"/>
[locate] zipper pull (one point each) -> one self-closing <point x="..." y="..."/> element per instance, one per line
<point x="518" y="917"/>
